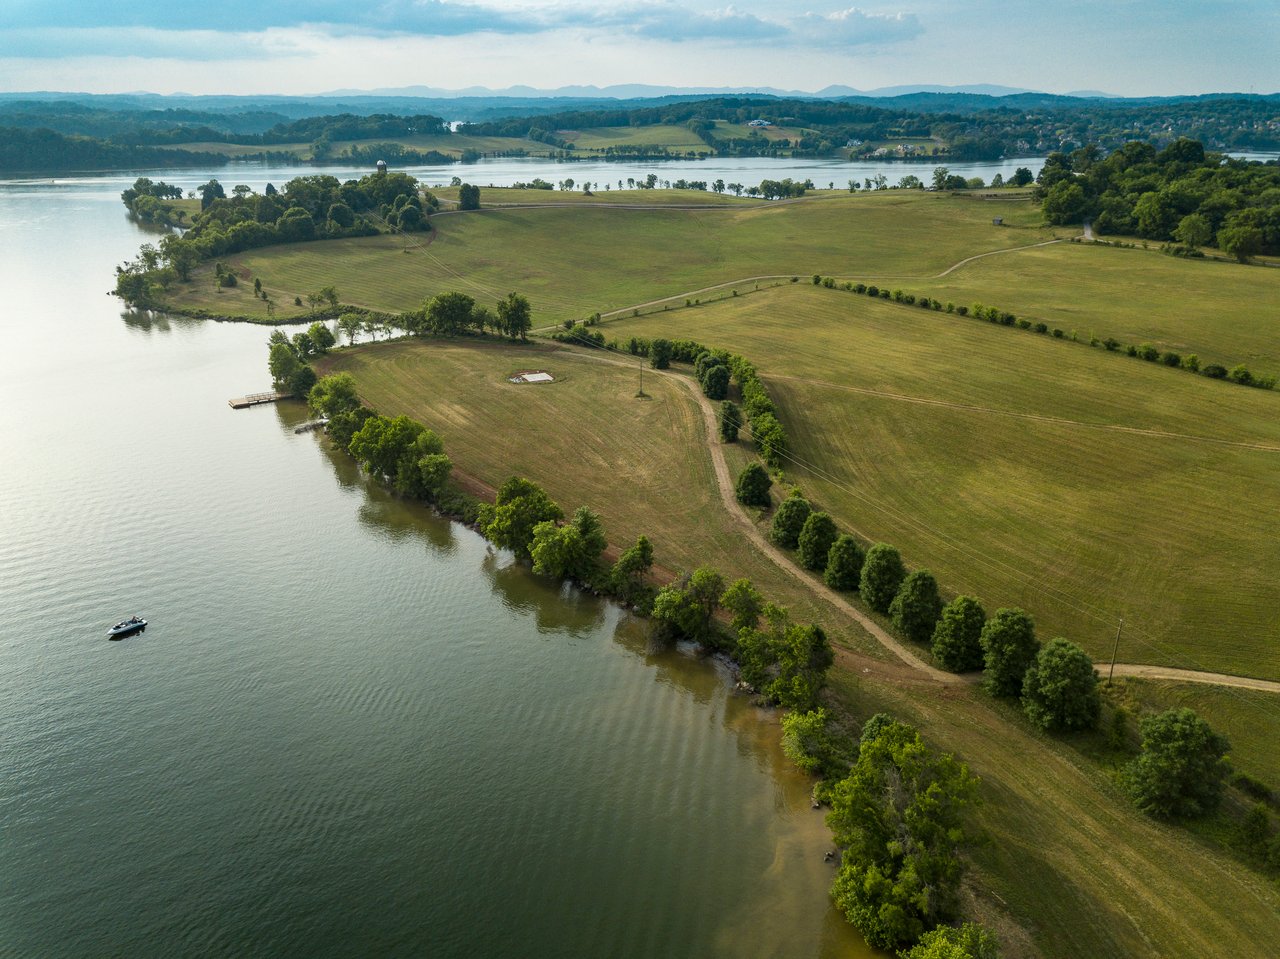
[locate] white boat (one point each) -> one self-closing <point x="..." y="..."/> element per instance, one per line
<point x="126" y="627"/>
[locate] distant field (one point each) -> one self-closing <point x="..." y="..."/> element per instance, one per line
<point x="1078" y="524"/>
<point x="677" y="138"/>
<point x="642" y="464"/>
<point x="572" y="262"/>
<point x="725" y="130"/>
<point x="1224" y="312"/>
<point x="452" y="143"/>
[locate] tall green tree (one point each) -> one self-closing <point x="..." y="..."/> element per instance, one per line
<point x="789" y="520"/>
<point x="1060" y="688"/>
<point x="1008" y="647"/>
<point x="882" y="575"/>
<point x="816" y="538"/>
<point x="916" y="607"/>
<point x="752" y="487"/>
<point x="745" y="604"/>
<point x="520" y="505"/>
<point x="970" y="941"/>
<point x="687" y="609"/>
<point x="468" y="197"/>
<point x="1182" y="768"/>
<point x="898" y="816"/>
<point x="626" y="579"/>
<point x="957" y="639"/>
<point x="515" y="316"/>
<point x="333" y="394"/>
<point x="844" y="563"/>
<point x="730" y="421"/>
<point x="571" y="551"/>
<point x="448" y="314"/>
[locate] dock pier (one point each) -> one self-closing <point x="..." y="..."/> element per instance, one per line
<point x="253" y="399"/>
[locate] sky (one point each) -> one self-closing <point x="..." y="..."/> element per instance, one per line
<point x="1123" y="47"/>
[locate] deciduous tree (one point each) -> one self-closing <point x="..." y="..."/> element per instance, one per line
<point x="815" y="541"/>
<point x="844" y="563"/>
<point x="1182" y="768"/>
<point x="1060" y="688"/>
<point x="1008" y="647"/>
<point x="916" y="606"/>
<point x="882" y="575"/>
<point x="957" y="639"/>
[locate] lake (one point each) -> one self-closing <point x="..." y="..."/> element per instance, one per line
<point x="351" y="728"/>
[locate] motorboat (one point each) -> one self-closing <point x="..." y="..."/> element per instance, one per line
<point x="127" y="627"/>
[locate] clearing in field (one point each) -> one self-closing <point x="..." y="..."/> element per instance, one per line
<point x="1080" y="485"/>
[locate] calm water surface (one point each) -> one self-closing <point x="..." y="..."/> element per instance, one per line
<point x="351" y="729"/>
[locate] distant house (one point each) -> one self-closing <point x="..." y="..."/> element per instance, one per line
<point x="760" y="123"/>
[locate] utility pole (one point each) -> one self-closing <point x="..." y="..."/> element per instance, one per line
<point x="640" y="395"/>
<point x="1114" y="648"/>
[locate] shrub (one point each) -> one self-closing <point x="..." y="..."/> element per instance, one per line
<point x="815" y="541"/>
<point x="916" y="607"/>
<point x="844" y="563"/>
<point x="860" y="288"/>
<point x="1191" y="362"/>
<point x="1041" y="328"/>
<point x="1148" y="352"/>
<point x="789" y="520"/>
<point x="1060" y="688"/>
<point x="873" y="291"/>
<point x="970" y="941"/>
<point x="1111" y="345"/>
<point x="1058" y="334"/>
<point x="1240" y="374"/>
<point x="882" y="576"/>
<point x="1171" y="359"/>
<point x="752" y="488"/>
<point x="957" y="640"/>
<point x="1214" y="371"/>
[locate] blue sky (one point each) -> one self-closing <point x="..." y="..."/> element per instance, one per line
<point x="1129" y="47"/>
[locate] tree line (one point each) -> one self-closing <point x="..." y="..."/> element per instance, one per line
<point x="1239" y="374"/>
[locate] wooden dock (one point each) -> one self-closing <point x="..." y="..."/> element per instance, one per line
<point x="253" y="399"/>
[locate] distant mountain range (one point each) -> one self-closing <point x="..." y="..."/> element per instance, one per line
<point x="636" y="91"/>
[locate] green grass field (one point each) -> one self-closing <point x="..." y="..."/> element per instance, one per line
<point x="1215" y="309"/>
<point x="1016" y="467"/>
<point x="642" y="464"/>
<point x="572" y="262"/>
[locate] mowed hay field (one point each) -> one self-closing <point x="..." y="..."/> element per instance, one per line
<point x="1081" y="485"/>
<point x="575" y="261"/>
<point x="641" y="463"/>
<point x="1224" y="312"/>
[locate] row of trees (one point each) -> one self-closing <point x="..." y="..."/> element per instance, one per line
<point x="454" y="313"/>
<point x="757" y="410"/>
<point x="1190" y="362"/>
